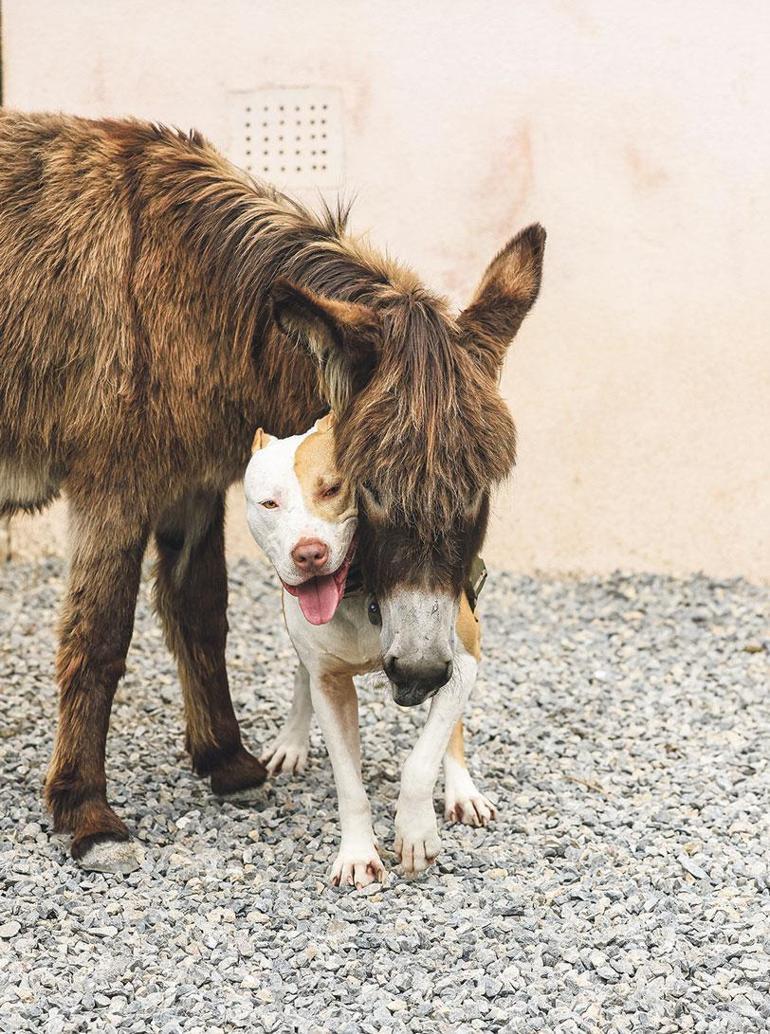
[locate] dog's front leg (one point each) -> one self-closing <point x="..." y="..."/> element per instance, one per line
<point x="335" y="703"/>
<point x="417" y="840"/>
<point x="463" y="801"/>
<point x="288" y="751"/>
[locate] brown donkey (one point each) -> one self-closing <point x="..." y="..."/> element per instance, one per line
<point x="156" y="306"/>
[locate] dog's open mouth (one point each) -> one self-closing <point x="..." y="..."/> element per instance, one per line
<point x="319" y="597"/>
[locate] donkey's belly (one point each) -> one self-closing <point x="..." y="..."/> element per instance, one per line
<point x="27" y="485"/>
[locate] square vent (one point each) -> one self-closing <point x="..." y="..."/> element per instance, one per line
<point x="290" y="136"/>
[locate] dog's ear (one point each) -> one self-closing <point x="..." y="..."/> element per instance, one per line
<point x="325" y="423"/>
<point x="505" y="295"/>
<point x="261" y="439"/>
<point x="343" y="336"/>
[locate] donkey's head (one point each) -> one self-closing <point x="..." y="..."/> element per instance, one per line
<point x="424" y="435"/>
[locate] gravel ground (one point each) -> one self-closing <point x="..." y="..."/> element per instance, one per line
<point x="622" y="725"/>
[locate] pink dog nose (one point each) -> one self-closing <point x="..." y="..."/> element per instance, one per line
<point x="310" y="554"/>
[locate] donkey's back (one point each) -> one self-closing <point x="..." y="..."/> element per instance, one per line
<point x="65" y="241"/>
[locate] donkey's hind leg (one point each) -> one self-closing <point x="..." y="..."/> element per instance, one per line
<point x="97" y="621"/>
<point x="462" y="801"/>
<point x="191" y="599"/>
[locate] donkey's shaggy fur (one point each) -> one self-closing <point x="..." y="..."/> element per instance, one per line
<point x="155" y="308"/>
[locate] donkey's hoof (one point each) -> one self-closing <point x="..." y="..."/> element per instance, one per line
<point x="120" y="857"/>
<point x="240" y="772"/>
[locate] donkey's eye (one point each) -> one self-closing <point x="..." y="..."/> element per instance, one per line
<point x="372" y="492"/>
<point x="269" y="504"/>
<point x="331" y="491"/>
<point x="373" y="612"/>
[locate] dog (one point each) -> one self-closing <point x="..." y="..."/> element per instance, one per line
<point x="304" y="517"/>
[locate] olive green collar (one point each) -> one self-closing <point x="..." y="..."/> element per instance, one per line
<point x="476" y="579"/>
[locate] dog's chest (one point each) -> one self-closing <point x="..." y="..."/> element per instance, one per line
<point x="348" y="644"/>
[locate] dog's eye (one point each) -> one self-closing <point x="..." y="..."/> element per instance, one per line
<point x="331" y="491"/>
<point x="269" y="504"/>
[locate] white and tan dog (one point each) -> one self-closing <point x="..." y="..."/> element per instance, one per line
<point x="303" y="515"/>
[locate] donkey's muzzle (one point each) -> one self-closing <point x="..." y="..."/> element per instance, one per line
<point x="414" y="683"/>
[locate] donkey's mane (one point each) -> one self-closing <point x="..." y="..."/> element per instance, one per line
<point x="429" y="430"/>
<point x="430" y="433"/>
<point x="244" y="232"/>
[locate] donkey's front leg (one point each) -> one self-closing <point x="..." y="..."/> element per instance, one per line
<point x="191" y="598"/>
<point x="417" y="840"/>
<point x="335" y="703"/>
<point x="108" y="542"/>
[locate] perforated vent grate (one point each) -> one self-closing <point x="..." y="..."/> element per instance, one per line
<point x="288" y="136"/>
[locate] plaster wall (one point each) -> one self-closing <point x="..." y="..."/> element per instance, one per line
<point x="637" y="133"/>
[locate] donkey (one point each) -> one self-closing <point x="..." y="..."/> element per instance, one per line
<point x="156" y="306"/>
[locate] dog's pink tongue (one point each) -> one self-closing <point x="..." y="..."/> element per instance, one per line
<point x="319" y="599"/>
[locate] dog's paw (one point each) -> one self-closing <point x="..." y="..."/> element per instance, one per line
<point x="463" y="802"/>
<point x="287" y="753"/>
<point x="417" y="842"/>
<point x="472" y="809"/>
<point x="357" y="865"/>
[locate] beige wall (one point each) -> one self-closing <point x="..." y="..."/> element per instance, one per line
<point x="637" y="133"/>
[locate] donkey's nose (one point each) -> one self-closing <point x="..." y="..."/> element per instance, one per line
<point x="310" y="554"/>
<point x="413" y="683"/>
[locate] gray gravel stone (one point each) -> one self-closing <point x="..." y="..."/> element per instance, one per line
<point x="621" y="724"/>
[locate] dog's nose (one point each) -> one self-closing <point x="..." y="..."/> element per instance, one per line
<point x="413" y="683"/>
<point x="310" y="554"/>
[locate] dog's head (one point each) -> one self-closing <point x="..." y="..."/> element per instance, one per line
<point x="303" y="515"/>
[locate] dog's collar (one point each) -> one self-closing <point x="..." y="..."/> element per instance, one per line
<point x="476" y="579"/>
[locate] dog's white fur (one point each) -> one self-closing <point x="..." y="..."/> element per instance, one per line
<point x="272" y="476"/>
<point x="330" y="655"/>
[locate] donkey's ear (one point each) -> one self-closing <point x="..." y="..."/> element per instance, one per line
<point x="505" y="295"/>
<point x="261" y="439"/>
<point x="344" y="337"/>
<point x="327" y="324"/>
